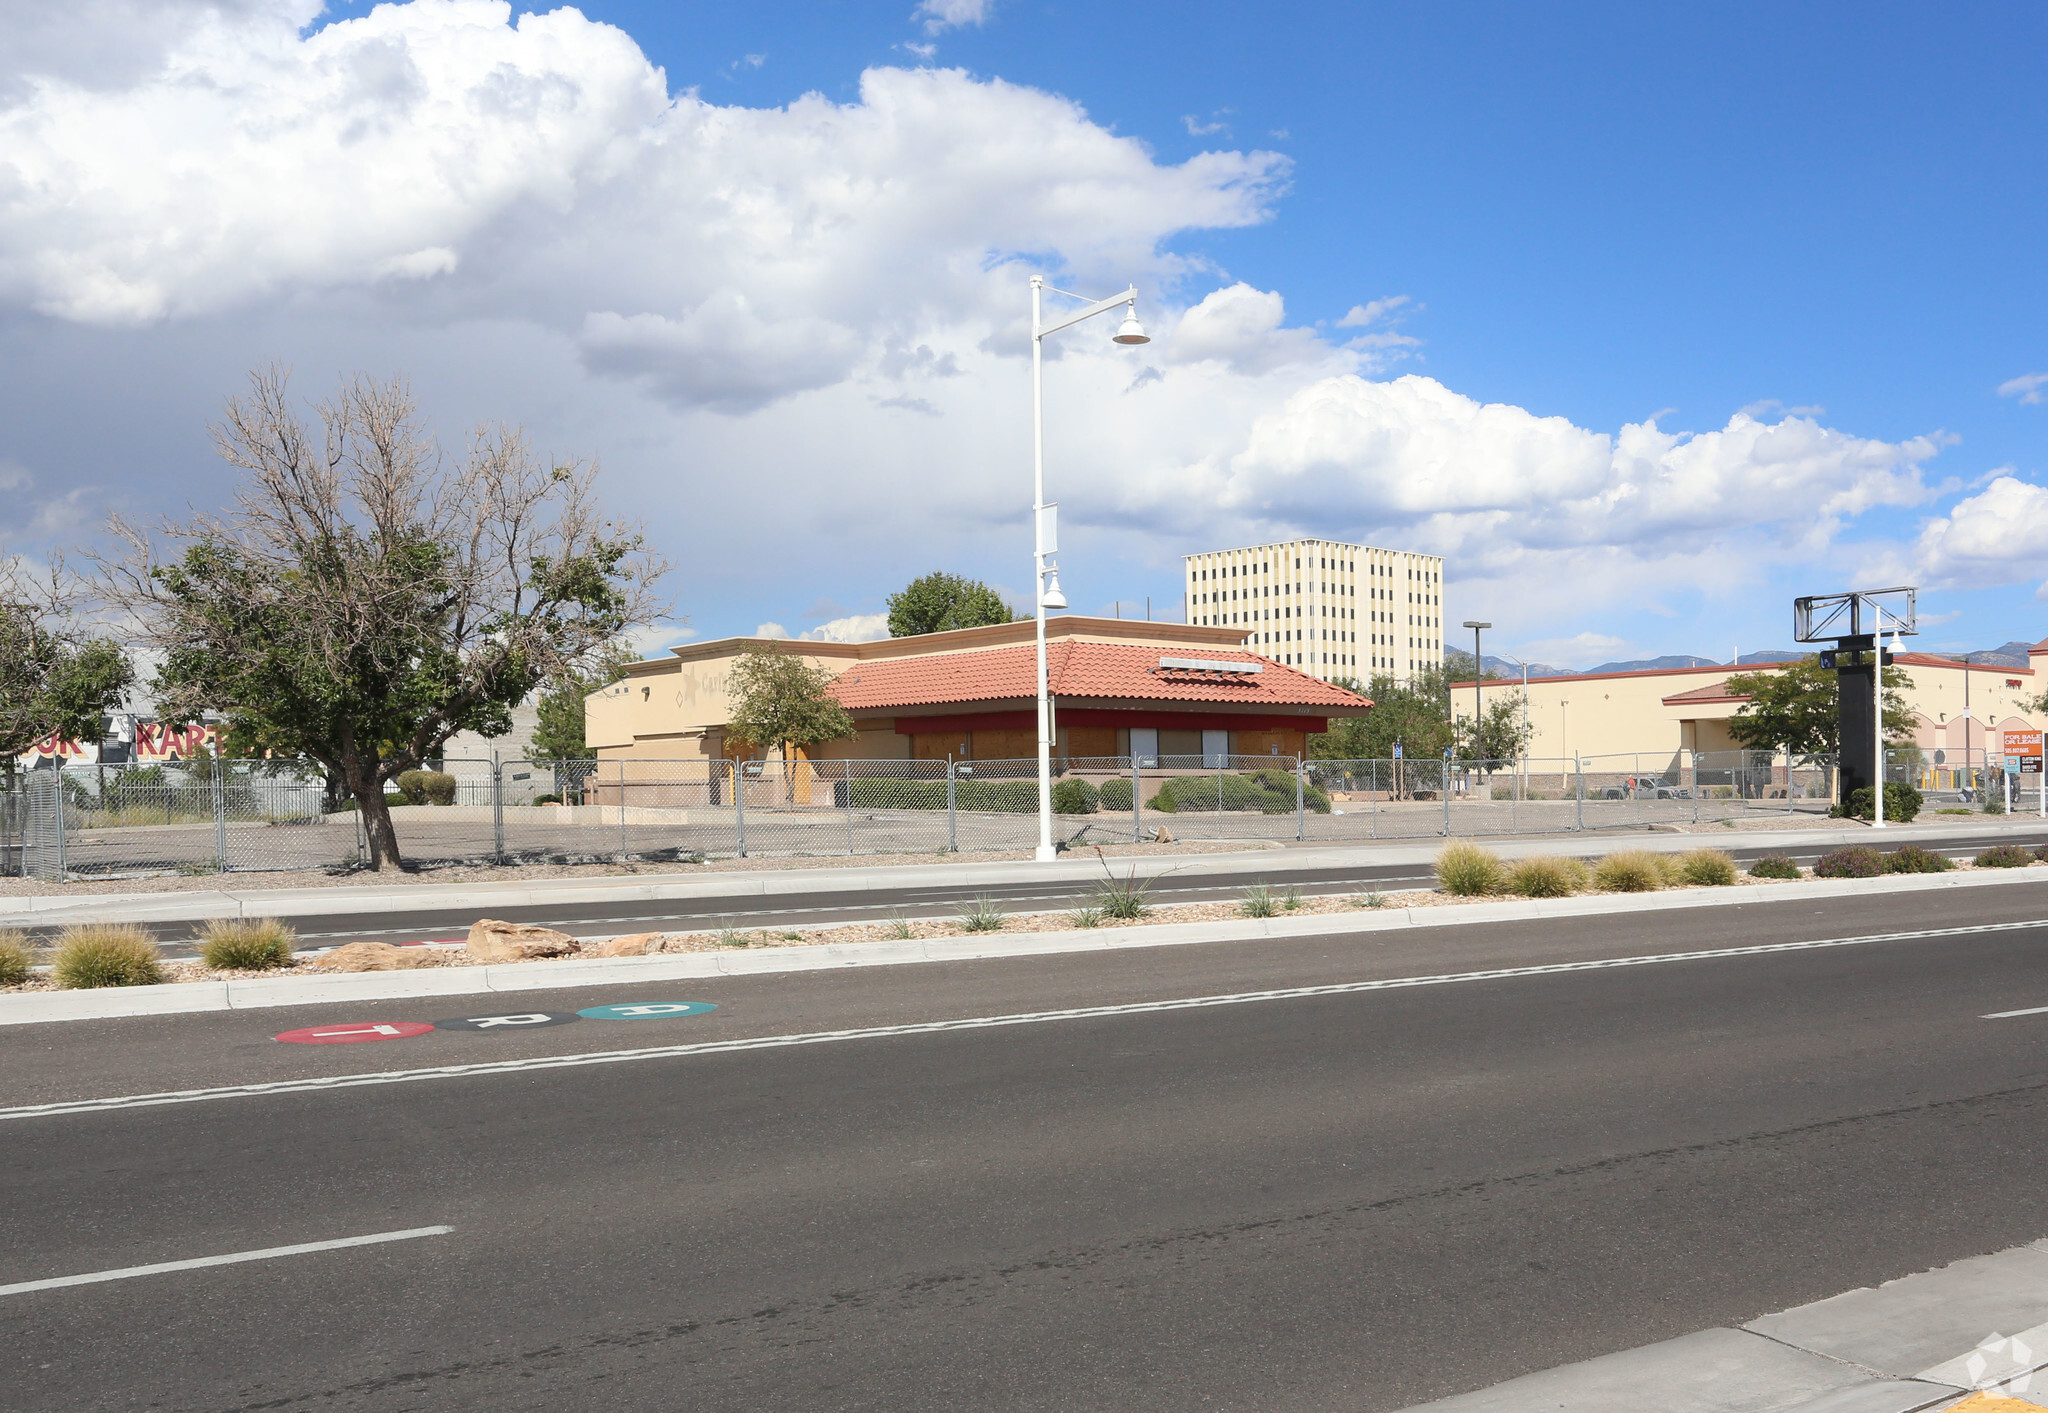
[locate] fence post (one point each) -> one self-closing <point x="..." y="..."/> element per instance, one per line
<point x="1137" y="800"/>
<point x="952" y="807"/>
<point x="220" y="814"/>
<point x="622" y="811"/>
<point x="57" y="776"/>
<point x="1443" y="781"/>
<point x="1300" y="818"/>
<point x="739" y="808"/>
<point x="497" y="808"/>
<point x="1579" y="780"/>
<point x="848" y="766"/>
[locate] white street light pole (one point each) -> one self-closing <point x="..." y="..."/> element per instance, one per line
<point x="1045" y="578"/>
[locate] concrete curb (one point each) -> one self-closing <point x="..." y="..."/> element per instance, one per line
<point x="188" y="997"/>
<point x="42" y="910"/>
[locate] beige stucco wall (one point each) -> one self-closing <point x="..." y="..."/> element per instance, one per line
<point x="1626" y="713"/>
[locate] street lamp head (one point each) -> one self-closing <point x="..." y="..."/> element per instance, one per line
<point x="1131" y="331"/>
<point x="1053" y="598"/>
<point x="1470" y="624"/>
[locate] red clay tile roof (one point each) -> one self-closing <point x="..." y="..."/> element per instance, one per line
<point x="1082" y="670"/>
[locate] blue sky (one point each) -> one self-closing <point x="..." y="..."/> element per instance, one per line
<point x="1827" y="216"/>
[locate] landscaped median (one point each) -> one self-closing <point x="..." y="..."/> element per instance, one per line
<point x="513" y="957"/>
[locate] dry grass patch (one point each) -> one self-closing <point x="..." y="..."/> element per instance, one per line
<point x="1547" y="876"/>
<point x="1468" y="871"/>
<point x="246" y="944"/>
<point x="1632" y="871"/>
<point x="1708" y="868"/>
<point x="106" y="954"/>
<point x="17" y="958"/>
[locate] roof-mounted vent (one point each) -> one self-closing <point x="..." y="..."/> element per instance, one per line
<point x="1197" y="664"/>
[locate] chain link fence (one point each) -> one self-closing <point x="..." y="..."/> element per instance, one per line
<point x="243" y="816"/>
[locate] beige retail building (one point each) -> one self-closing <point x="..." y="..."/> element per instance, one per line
<point x="1661" y="713"/>
<point x="1332" y="610"/>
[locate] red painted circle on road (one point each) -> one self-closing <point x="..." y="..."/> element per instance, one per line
<point x="354" y="1032"/>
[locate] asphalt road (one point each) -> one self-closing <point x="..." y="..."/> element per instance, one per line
<point x="1350" y="1200"/>
<point x="753" y="910"/>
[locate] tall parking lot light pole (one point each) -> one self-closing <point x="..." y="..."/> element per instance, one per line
<point x="1478" y="700"/>
<point x="1045" y="577"/>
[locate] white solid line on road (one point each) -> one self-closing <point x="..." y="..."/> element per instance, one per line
<point x="268" y="1253"/>
<point x="828" y="1037"/>
<point x="2008" y="1015"/>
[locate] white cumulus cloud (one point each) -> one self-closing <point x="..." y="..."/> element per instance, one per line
<point x="1997" y="536"/>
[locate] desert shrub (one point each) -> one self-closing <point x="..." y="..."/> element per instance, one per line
<point x="246" y="944"/>
<point x="1630" y="871"/>
<point x="1993" y="798"/>
<point x="426" y="787"/>
<point x="1114" y="796"/>
<point x="1911" y="858"/>
<point x="1123" y="898"/>
<point x="1074" y="797"/>
<point x="1774" y="866"/>
<point x="2041" y="853"/>
<point x="1707" y="868"/>
<point x="1468" y="871"/>
<point x="1263" y="792"/>
<point x="1258" y="901"/>
<point x="1855" y="861"/>
<point x="983" y="915"/>
<point x="1671" y="868"/>
<point x="106" y="954"/>
<point x="17" y="960"/>
<point x="1085" y="916"/>
<point x="1547" y="876"/>
<point x="2005" y="856"/>
<point x="1901" y="803"/>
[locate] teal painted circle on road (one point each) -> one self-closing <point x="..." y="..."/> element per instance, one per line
<point x="647" y="1010"/>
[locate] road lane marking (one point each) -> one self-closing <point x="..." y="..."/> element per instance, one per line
<point x="829" y="1037"/>
<point x="268" y="1253"/>
<point x="2008" y="1015"/>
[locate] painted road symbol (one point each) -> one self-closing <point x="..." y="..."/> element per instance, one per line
<point x="641" y="1010"/>
<point x="354" y="1032"/>
<point x="523" y="1020"/>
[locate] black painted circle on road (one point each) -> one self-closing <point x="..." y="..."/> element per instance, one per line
<point x="508" y="1021"/>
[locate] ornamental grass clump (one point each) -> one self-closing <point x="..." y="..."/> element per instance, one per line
<point x="1468" y="871"/>
<point x="17" y="961"/>
<point x="247" y="944"/>
<point x="105" y="954"/>
<point x="1774" y="866"/>
<point x="1911" y="858"/>
<point x="1258" y="901"/>
<point x="2004" y="856"/>
<point x="1546" y="876"/>
<point x="1630" y="871"/>
<point x="983" y="916"/>
<point x="1708" y="868"/>
<point x="1855" y="861"/>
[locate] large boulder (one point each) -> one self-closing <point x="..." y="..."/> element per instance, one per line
<point x="638" y="944"/>
<point x="374" y="956"/>
<point x="491" y="942"/>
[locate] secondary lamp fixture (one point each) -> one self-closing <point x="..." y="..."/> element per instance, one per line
<point x="1131" y="331"/>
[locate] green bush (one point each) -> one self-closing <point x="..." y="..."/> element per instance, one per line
<point x="1993" y="798"/>
<point x="1774" y="866"/>
<point x="1631" y="871"/>
<point x="1856" y="861"/>
<point x="394" y="798"/>
<point x="1115" y="796"/>
<point x="1901" y="803"/>
<point x="983" y="796"/>
<point x="2005" y="856"/>
<point x="426" y="787"/>
<point x="1468" y="871"/>
<point x="17" y="961"/>
<point x="246" y="944"/>
<point x="1707" y="868"/>
<point x="106" y="954"/>
<point x="1263" y="792"/>
<point x="547" y="799"/>
<point x="2042" y="853"/>
<point x="1074" y="797"/>
<point x="1911" y="858"/>
<point x="1258" y="901"/>
<point x="1546" y="876"/>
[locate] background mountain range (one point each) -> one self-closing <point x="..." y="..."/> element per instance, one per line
<point x="2012" y="654"/>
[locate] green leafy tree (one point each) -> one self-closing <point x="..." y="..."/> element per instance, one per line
<point x="775" y="698"/>
<point x="1798" y="708"/>
<point x="1410" y="713"/>
<point x="366" y="598"/>
<point x="558" y="734"/>
<point x="940" y="601"/>
<point x="56" y="678"/>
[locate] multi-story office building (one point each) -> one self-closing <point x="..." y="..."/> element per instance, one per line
<point x="1331" y="610"/>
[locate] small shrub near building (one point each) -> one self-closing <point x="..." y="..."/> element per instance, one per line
<point x="1114" y="796"/>
<point x="1855" y="861"/>
<point x="1708" y="868"/>
<point x="247" y="944"/>
<point x="1911" y="858"/>
<point x="1468" y="871"/>
<point x="1547" y="876"/>
<point x="1774" y="866"/>
<point x="2005" y="856"/>
<point x="1901" y="803"/>
<point x="1630" y="871"/>
<point x="426" y="787"/>
<point x="106" y="954"/>
<point x="1074" y="797"/>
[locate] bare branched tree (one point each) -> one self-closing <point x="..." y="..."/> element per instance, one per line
<point x="366" y="598"/>
<point x="57" y="676"/>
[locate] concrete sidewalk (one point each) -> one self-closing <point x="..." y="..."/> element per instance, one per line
<point x="1971" y="1336"/>
<point x="196" y="905"/>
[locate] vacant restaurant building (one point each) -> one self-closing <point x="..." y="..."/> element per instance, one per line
<point x="1118" y="687"/>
